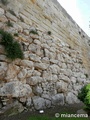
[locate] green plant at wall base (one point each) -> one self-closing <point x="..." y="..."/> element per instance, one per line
<point x="4" y="2"/>
<point x="33" y="32"/>
<point x="9" y="24"/>
<point x="84" y="95"/>
<point x="12" y="48"/>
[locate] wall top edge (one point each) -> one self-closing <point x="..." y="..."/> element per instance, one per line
<point x="69" y="17"/>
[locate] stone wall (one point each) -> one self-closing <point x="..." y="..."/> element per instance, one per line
<point x="56" y="60"/>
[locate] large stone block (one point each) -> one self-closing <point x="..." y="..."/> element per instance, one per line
<point x="39" y="103"/>
<point x="22" y="74"/>
<point x="49" y="76"/>
<point x="1" y="11"/>
<point x="34" y="80"/>
<point x="15" y="89"/>
<point x="28" y="102"/>
<point x="41" y="66"/>
<point x="11" y="17"/>
<point x="45" y="60"/>
<point x="54" y="69"/>
<point x="27" y="63"/>
<point x="46" y="96"/>
<point x="33" y="48"/>
<point x="3" y="18"/>
<point x="58" y="99"/>
<point x="36" y="73"/>
<point x="34" y="58"/>
<point x="37" y="90"/>
<point x="61" y="86"/>
<point x="30" y="72"/>
<point x="71" y="98"/>
<point x="47" y="103"/>
<point x="3" y="68"/>
<point x="64" y="78"/>
<point x="12" y="71"/>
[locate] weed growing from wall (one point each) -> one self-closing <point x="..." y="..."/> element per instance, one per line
<point x="33" y="32"/>
<point x="22" y="20"/>
<point x="12" y="12"/>
<point x="12" y="48"/>
<point x="49" y="32"/>
<point x="9" y="24"/>
<point x="80" y="62"/>
<point x="16" y="34"/>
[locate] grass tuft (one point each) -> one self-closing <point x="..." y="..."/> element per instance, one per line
<point x="9" y="24"/>
<point x="33" y="32"/>
<point x="12" y="48"/>
<point x="49" y="32"/>
<point x="16" y="34"/>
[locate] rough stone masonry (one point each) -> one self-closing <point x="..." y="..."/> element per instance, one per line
<point x="56" y="60"/>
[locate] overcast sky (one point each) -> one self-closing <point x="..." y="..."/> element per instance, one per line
<point x="79" y="10"/>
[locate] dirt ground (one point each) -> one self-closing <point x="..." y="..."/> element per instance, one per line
<point x="49" y="112"/>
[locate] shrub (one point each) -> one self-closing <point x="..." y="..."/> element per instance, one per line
<point x="12" y="48"/>
<point x="7" y="38"/>
<point x="14" y="51"/>
<point x="84" y="95"/>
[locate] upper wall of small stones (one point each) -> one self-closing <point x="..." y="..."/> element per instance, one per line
<point x="48" y="16"/>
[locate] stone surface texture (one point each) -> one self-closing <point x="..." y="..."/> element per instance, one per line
<point x="55" y="66"/>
